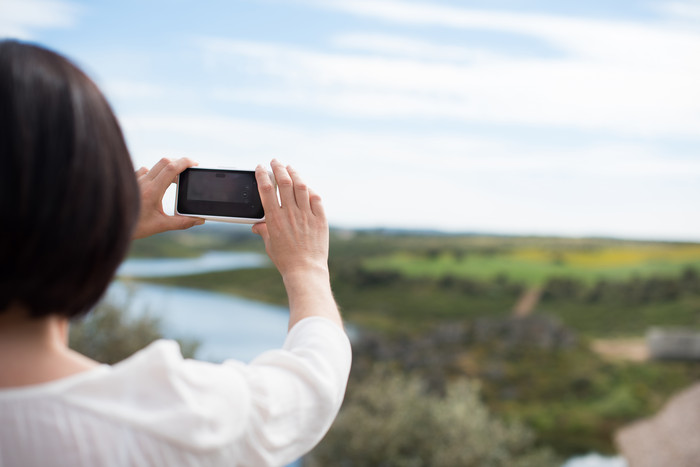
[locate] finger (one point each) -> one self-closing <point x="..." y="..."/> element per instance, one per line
<point x="285" y="185"/>
<point x="301" y="191"/>
<point x="182" y="222"/>
<point x="266" y="190"/>
<point x="175" y="178"/>
<point x="156" y="169"/>
<point x="316" y="204"/>
<point x="169" y="172"/>
<point x="260" y="229"/>
<point x="141" y="172"/>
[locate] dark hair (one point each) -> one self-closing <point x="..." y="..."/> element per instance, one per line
<point x="69" y="200"/>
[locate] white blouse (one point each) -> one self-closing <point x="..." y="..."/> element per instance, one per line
<point x="158" y="409"/>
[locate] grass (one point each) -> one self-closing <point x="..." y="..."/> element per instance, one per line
<point x="262" y="284"/>
<point x="619" y="319"/>
<point x="534" y="266"/>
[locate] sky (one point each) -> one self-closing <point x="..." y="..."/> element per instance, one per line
<point x="542" y="117"/>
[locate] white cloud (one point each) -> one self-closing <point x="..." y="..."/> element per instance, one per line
<point x="688" y="10"/>
<point x="21" y="18"/>
<point x="603" y="94"/>
<point x="126" y="89"/>
<point x="144" y="93"/>
<point x="644" y="44"/>
<point x="224" y="140"/>
<point x="403" y="46"/>
<point x="629" y="78"/>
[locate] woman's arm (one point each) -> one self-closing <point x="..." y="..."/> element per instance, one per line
<point x="296" y="392"/>
<point x="153" y="183"/>
<point x="295" y="233"/>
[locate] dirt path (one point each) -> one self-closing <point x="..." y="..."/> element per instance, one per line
<point x="622" y="349"/>
<point x="527" y="302"/>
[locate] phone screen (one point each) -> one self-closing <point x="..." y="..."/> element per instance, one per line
<point x="217" y="186"/>
<point x="219" y="192"/>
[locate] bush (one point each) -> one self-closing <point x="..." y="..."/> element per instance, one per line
<point x="389" y="419"/>
<point x="109" y="335"/>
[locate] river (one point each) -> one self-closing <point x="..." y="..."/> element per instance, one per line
<point x="226" y="326"/>
<point x="209" y="262"/>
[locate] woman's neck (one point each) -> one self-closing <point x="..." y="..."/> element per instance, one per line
<point x="35" y="350"/>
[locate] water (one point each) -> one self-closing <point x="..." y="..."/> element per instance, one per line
<point x="225" y="325"/>
<point x="595" y="460"/>
<point x="209" y="262"/>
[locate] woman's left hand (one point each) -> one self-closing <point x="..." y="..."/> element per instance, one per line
<point x="153" y="184"/>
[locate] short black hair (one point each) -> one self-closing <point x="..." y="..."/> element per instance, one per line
<point x="69" y="199"/>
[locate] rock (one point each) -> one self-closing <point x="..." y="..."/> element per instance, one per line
<point x="673" y="344"/>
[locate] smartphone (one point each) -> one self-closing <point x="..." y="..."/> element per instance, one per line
<point x="223" y="195"/>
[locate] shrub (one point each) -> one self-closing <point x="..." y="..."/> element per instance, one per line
<point x="389" y="419"/>
<point x="108" y="334"/>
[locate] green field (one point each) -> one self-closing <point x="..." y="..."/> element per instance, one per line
<point x="535" y="265"/>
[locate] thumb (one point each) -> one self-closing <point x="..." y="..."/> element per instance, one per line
<point x="184" y="222"/>
<point x="260" y="229"/>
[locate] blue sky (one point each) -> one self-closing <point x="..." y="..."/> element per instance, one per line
<point x="525" y="117"/>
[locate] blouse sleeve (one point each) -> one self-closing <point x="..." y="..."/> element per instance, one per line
<point x="295" y="392"/>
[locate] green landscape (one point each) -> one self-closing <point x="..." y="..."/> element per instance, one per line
<point x="516" y="325"/>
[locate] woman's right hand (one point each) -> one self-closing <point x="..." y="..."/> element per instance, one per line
<point x="295" y="233"/>
<point x="295" y="230"/>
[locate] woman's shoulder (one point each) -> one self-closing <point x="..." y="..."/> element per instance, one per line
<point x="166" y="403"/>
<point x="200" y="404"/>
<point x="159" y="378"/>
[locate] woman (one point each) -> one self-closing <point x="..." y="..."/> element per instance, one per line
<point x="70" y="205"/>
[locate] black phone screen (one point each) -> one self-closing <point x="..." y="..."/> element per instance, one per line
<point x="219" y="192"/>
